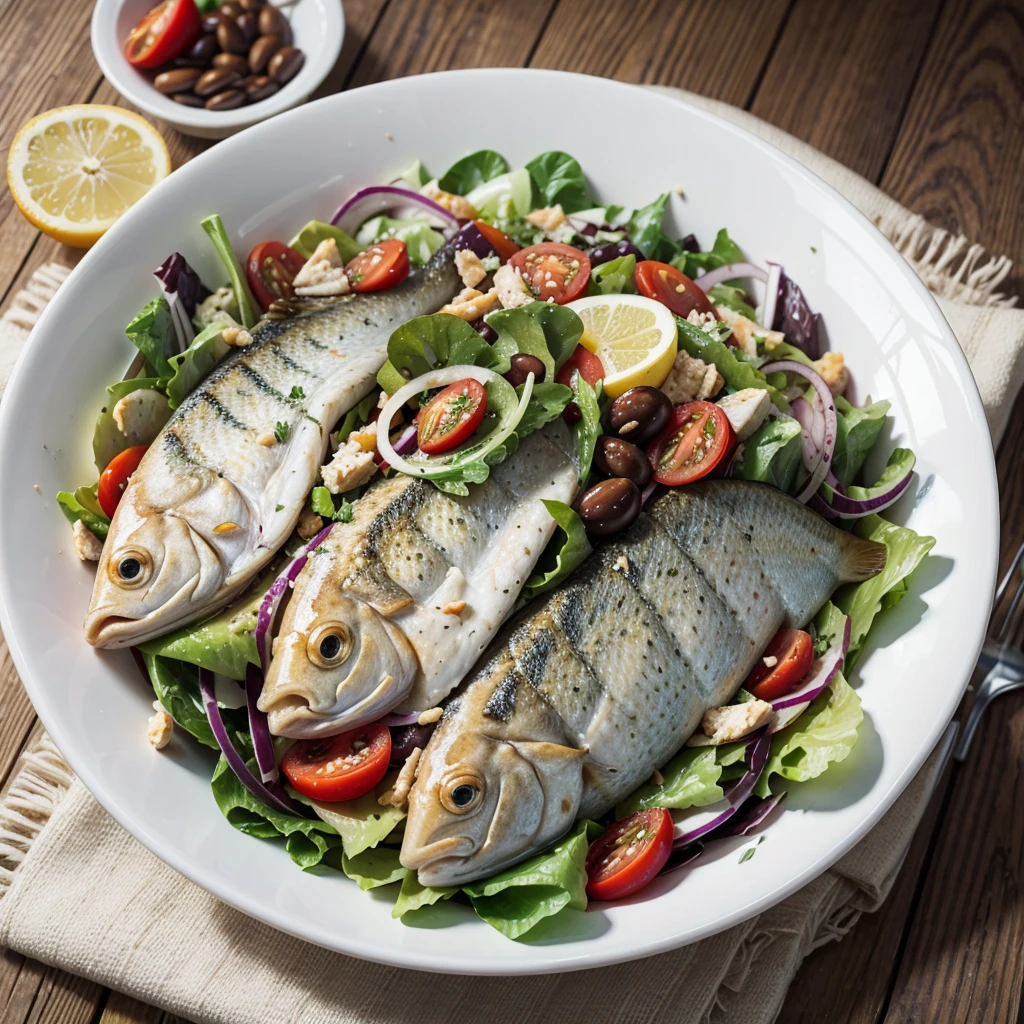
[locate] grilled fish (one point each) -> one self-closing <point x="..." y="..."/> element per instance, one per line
<point x="405" y="596"/>
<point x="221" y="488"/>
<point x="603" y="680"/>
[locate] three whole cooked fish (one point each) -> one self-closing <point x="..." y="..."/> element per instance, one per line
<point x="401" y="600"/>
<point x="603" y="680"/>
<point x="221" y="488"/>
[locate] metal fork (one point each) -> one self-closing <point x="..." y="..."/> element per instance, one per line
<point x="1001" y="663"/>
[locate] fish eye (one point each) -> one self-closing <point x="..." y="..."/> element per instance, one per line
<point x="130" y="568"/>
<point x="462" y="794"/>
<point x="329" y="645"/>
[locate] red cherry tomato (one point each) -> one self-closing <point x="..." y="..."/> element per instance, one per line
<point x="339" y="767"/>
<point x="553" y="271"/>
<point x="114" y="478"/>
<point x="671" y="288"/>
<point x="793" y="651"/>
<point x="383" y="265"/>
<point x="451" y="417"/>
<point x="698" y="437"/>
<point x="504" y="246"/>
<point x="628" y="854"/>
<point x="270" y="270"/>
<point x="586" y="362"/>
<point x="167" y="30"/>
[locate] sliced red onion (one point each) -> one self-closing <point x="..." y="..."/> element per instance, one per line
<point x="828" y="412"/>
<point x="263" y="745"/>
<point x="771" y="295"/>
<point x="396" y="721"/>
<point x="812" y="435"/>
<point x="682" y="857"/>
<point x="845" y="507"/>
<point x="612" y="251"/>
<point x="787" y="716"/>
<point x="472" y="238"/>
<point x="699" y="821"/>
<point x="273" y="795"/>
<point x="752" y="814"/>
<point x="728" y="273"/>
<point x="377" y="199"/>
<point x="272" y="599"/>
<point x="822" y="672"/>
<point x="405" y="445"/>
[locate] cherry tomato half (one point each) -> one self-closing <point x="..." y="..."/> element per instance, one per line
<point x="451" y="417"/>
<point x="671" y="288"/>
<point x="793" y="651"/>
<point x="167" y="30"/>
<point x="628" y="854"/>
<point x="270" y="270"/>
<point x="383" y="265"/>
<point x="504" y="246"/>
<point x="553" y="271"/>
<point x="698" y="437"/>
<point x="114" y="478"/>
<point x="586" y="362"/>
<point x="340" y="767"/>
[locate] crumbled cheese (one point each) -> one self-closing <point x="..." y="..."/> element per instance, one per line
<point x="455" y="607"/>
<point x="746" y="410"/>
<point x="220" y="305"/>
<point x="159" y="728"/>
<point x="88" y="546"/>
<point x="511" y="288"/>
<point x="490" y="263"/>
<point x="430" y="716"/>
<point x="622" y="563"/>
<point x="770" y="661"/>
<point x="398" y="794"/>
<point x="141" y="415"/>
<point x="350" y="467"/>
<point x="310" y="524"/>
<point x="833" y="371"/>
<point x="323" y="273"/>
<point x="691" y="379"/>
<point x="470" y="267"/>
<point x="237" y="337"/>
<point x="733" y="722"/>
<point x="470" y="304"/>
<point x="746" y="332"/>
<point x="548" y="218"/>
<point x="456" y="205"/>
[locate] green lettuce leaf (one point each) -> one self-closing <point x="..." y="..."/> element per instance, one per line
<point x="613" y="277"/>
<point x="558" y="178"/>
<point x="83" y="505"/>
<point x="414" y="896"/>
<point x="724" y="251"/>
<point x="421" y="240"/>
<point x="647" y="234"/>
<point x="316" y="231"/>
<point x="358" y="416"/>
<point x="416" y="175"/>
<point x="824" y="734"/>
<point x="152" y="333"/>
<point x="218" y="235"/>
<point x="505" y="200"/>
<point x="363" y="823"/>
<point x="374" y="868"/>
<point x="516" y="900"/>
<point x="547" y="403"/>
<point x="542" y="329"/>
<point x="568" y="548"/>
<point x="472" y="171"/>
<point x="107" y="440"/>
<point x="691" y="780"/>
<point x="857" y="430"/>
<point x="208" y="348"/>
<point x="330" y="506"/>
<point x="863" y="601"/>
<point x="588" y="427"/>
<point x="901" y="462"/>
<point x="772" y="454"/>
<point x="307" y="840"/>
<point x="733" y="298"/>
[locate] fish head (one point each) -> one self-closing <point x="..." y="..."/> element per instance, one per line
<point x="335" y="670"/>
<point x="481" y="803"/>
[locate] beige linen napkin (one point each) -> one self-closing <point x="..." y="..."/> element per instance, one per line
<point x="79" y="892"/>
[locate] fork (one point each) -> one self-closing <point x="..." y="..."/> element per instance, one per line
<point x="1002" y="664"/>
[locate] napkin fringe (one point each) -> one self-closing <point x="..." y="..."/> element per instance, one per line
<point x="28" y="304"/>
<point x="39" y="783"/>
<point x="950" y="265"/>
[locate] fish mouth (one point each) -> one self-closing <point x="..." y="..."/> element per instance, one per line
<point x="439" y="861"/>
<point x="106" y="629"/>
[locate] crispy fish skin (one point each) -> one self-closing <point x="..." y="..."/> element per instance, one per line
<point x="603" y="680"/>
<point x="221" y="488"/>
<point x="408" y="594"/>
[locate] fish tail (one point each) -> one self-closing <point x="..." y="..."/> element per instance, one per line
<point x="862" y="559"/>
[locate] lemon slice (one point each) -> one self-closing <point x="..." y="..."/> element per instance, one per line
<point x="74" y="170"/>
<point x="633" y="336"/>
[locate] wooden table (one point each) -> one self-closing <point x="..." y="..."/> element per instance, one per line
<point x="923" y="97"/>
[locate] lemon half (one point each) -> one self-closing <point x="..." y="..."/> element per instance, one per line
<point x="74" y="170"/>
<point x="633" y="336"/>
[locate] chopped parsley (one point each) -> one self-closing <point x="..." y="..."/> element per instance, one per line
<point x="281" y="432"/>
<point x="322" y="550"/>
<point x="280" y="508"/>
<point x="297" y="394"/>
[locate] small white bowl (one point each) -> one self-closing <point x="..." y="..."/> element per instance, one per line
<point x="318" y="27"/>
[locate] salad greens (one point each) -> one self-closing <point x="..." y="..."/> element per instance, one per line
<point x="645" y="230"/>
<point x="724" y="251"/>
<point x="539" y="329"/>
<point x="472" y="171"/>
<point x="567" y="549"/>
<point x="772" y="454"/>
<point x="152" y="333"/>
<point x="558" y="179"/>
<point x="107" y="440"/>
<point x="316" y="231"/>
<point x="83" y="505"/>
<point x="214" y="228"/>
<point x="615" y="276"/>
<point x="421" y="240"/>
<point x="189" y="368"/>
<point x="856" y="434"/>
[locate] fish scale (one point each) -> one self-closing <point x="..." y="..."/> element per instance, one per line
<point x="601" y="681"/>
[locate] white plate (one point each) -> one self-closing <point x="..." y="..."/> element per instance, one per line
<point x="318" y="27"/>
<point x="633" y="144"/>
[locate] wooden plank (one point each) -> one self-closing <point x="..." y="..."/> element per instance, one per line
<point x="18" y="714"/>
<point x="46" y="995"/>
<point x="959" y="155"/>
<point x="413" y="37"/>
<point x="714" y="48"/>
<point x="841" y="75"/>
<point x="122" y="1009"/>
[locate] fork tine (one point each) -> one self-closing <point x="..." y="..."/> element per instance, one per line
<point x="1005" y="581"/>
<point x="1007" y="629"/>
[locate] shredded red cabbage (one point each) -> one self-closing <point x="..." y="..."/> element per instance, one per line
<point x="786" y="310"/>
<point x="822" y="672"/>
<point x="263" y="745"/>
<point x="612" y="251"/>
<point x="183" y="290"/>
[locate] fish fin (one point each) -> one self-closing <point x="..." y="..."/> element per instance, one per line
<point x="862" y="559"/>
<point x="373" y="585"/>
<point x="543" y="752"/>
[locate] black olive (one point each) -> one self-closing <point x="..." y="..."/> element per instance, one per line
<point x="639" y="414"/>
<point x="609" y="506"/>
<point x="522" y="366"/>
<point x="615" y="457"/>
